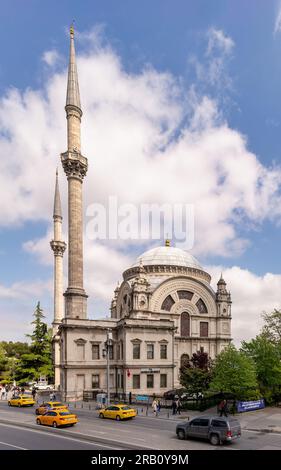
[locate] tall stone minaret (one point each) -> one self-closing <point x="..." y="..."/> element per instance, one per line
<point x="75" y="167"/>
<point x="58" y="246"/>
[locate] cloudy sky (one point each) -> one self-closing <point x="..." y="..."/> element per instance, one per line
<point x="181" y="104"/>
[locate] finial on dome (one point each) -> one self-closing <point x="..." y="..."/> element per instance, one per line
<point x="167" y="242"/>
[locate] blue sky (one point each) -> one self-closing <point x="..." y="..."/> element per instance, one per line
<point x="170" y="37"/>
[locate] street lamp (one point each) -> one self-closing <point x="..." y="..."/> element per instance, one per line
<point x="106" y="353"/>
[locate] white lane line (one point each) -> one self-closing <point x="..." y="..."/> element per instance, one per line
<point x="63" y="437"/>
<point x="11" y="445"/>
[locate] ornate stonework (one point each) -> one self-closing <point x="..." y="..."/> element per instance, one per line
<point x="74" y="165"/>
<point x="58" y="247"/>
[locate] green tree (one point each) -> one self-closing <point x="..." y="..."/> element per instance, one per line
<point x="234" y="372"/>
<point x="38" y="361"/>
<point x="15" y="349"/>
<point x="3" y="363"/>
<point x="195" y="380"/>
<point x="272" y="326"/>
<point x="195" y="375"/>
<point x="267" y="358"/>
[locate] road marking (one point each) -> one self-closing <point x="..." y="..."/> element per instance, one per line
<point x="64" y="437"/>
<point x="11" y="445"/>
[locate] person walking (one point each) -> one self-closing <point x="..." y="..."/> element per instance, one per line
<point x="178" y="403"/>
<point x="33" y="393"/>
<point x="222" y="408"/>
<point x="158" y="406"/>
<point x="154" y="407"/>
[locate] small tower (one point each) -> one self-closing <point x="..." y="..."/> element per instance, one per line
<point x="223" y="301"/>
<point x="58" y="246"/>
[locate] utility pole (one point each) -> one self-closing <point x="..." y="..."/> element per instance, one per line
<point x="106" y="351"/>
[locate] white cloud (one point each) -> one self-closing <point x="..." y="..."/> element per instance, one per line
<point x="218" y="40"/>
<point x="277" y="24"/>
<point x="147" y="140"/>
<point x="51" y="57"/>
<point x="251" y="295"/>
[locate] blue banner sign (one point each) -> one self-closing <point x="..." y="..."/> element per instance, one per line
<point x="250" y="405"/>
<point x="142" y="398"/>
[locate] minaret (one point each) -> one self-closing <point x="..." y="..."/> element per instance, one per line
<point x="58" y="246"/>
<point x="75" y="167"/>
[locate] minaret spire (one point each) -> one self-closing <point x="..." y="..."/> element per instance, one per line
<point x="57" y="203"/>
<point x="58" y="246"/>
<point x="72" y="95"/>
<point x="75" y="166"/>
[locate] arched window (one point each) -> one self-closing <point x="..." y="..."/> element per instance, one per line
<point x="185" y="294"/>
<point x="168" y="303"/>
<point x="201" y="306"/>
<point x="184" y="360"/>
<point x="185" y="324"/>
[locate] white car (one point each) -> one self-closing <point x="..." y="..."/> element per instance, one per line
<point x="41" y="386"/>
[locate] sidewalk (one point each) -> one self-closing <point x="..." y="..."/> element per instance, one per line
<point x="265" y="420"/>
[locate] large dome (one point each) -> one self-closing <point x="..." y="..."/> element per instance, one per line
<point x="168" y="256"/>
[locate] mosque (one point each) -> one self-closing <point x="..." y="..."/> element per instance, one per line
<point x="164" y="310"/>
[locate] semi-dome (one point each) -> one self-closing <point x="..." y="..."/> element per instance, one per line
<point x="168" y="256"/>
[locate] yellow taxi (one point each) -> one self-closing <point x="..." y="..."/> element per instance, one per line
<point x="57" y="418"/>
<point x="117" y="412"/>
<point x="49" y="406"/>
<point x="21" y="400"/>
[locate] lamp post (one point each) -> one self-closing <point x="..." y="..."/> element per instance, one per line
<point x="106" y="353"/>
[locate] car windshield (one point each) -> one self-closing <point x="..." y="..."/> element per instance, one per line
<point x="64" y="413"/>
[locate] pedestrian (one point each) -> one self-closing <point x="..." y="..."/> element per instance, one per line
<point x="174" y="406"/>
<point x="178" y="404"/>
<point x="3" y="393"/>
<point x="52" y="396"/>
<point x="33" y="393"/>
<point x="222" y="408"/>
<point x="158" y="406"/>
<point x="154" y="407"/>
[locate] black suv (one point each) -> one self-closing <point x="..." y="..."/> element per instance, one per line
<point x="216" y="430"/>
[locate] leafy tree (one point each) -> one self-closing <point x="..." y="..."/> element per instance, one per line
<point x="3" y="362"/>
<point x="38" y="361"/>
<point x="195" y="380"/>
<point x="201" y="360"/>
<point x="15" y="349"/>
<point x="195" y="375"/>
<point x="272" y="327"/>
<point x="234" y="372"/>
<point x="267" y="358"/>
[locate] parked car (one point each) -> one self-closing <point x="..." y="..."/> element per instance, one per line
<point x="118" y="412"/>
<point x="213" y="428"/>
<point x="57" y="418"/>
<point x="41" y="385"/>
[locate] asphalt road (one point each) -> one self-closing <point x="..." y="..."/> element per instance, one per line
<point x="149" y="432"/>
<point x="15" y="438"/>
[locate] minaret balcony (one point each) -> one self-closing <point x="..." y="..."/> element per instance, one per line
<point x="74" y="164"/>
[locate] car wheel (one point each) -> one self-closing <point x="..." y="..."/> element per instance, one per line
<point x="101" y="415"/>
<point x="38" y="421"/>
<point x="118" y="418"/>
<point x="214" y="440"/>
<point x="181" y="434"/>
<point x="55" y="425"/>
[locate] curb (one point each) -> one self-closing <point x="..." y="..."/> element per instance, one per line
<point x="262" y="430"/>
<point x="78" y="436"/>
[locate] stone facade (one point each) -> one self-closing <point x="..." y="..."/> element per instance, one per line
<point x="164" y="310"/>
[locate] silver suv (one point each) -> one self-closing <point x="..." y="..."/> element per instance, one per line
<point x="216" y="430"/>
